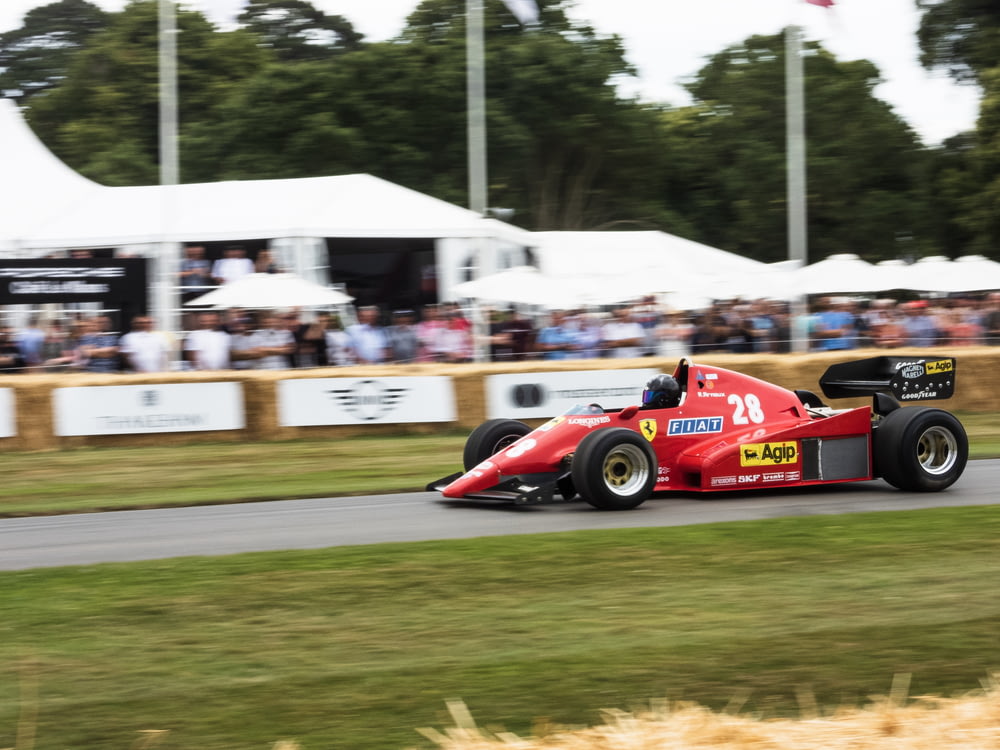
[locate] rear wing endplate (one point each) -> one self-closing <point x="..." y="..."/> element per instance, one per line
<point x="907" y="378"/>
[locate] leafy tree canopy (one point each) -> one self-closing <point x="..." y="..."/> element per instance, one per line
<point x="296" y="30"/>
<point x="36" y="56"/>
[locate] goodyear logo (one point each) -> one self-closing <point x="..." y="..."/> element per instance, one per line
<point x="769" y="454"/>
<point x="694" y="426"/>
<point x="941" y="365"/>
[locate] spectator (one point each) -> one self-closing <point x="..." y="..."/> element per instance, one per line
<point x="57" y="349"/>
<point x="921" y="329"/>
<point x="338" y="344"/>
<point x="144" y="349"/>
<point x="29" y="342"/>
<point x="265" y="263"/>
<point x="588" y="334"/>
<point x="762" y="327"/>
<point x="431" y="332"/>
<point x="98" y="346"/>
<point x="673" y="335"/>
<point x="195" y="273"/>
<point x="273" y="343"/>
<point x="510" y="336"/>
<point x="402" y="336"/>
<point x="622" y="336"/>
<point x="833" y="326"/>
<point x="11" y="359"/>
<point x="207" y="347"/>
<point x="991" y="319"/>
<point x="311" y="342"/>
<point x="232" y="266"/>
<point x="243" y="353"/>
<point x="558" y="340"/>
<point x="888" y="330"/>
<point x="368" y="340"/>
<point x="456" y="339"/>
<point x="959" y="327"/>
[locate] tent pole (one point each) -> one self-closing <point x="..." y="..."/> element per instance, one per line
<point x="166" y="302"/>
<point x="795" y="140"/>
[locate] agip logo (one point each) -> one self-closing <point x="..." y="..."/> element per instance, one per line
<point x="769" y="454"/>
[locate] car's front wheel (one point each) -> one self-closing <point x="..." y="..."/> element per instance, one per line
<point x="920" y="449"/>
<point x="490" y="438"/>
<point x="614" y="469"/>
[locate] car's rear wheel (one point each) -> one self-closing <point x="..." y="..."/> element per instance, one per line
<point x="920" y="449"/>
<point x="614" y="469"/>
<point x="490" y="438"/>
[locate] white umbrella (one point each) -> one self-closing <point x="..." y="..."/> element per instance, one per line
<point x="841" y="272"/>
<point x="966" y="274"/>
<point x="265" y="291"/>
<point x="524" y="285"/>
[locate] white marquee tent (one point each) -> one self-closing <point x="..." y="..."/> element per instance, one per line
<point x="45" y="206"/>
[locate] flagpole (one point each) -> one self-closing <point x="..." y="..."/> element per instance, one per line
<point x="795" y="154"/>
<point x="166" y="295"/>
<point x="476" y="93"/>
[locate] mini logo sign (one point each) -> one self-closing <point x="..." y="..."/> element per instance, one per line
<point x="769" y="454"/>
<point x="149" y="398"/>
<point x="648" y="428"/>
<point x="694" y="426"/>
<point x="527" y="395"/>
<point x="369" y="399"/>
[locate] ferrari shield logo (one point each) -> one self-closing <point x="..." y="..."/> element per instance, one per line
<point x="648" y="428"/>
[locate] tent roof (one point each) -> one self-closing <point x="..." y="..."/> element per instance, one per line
<point x="47" y="205"/>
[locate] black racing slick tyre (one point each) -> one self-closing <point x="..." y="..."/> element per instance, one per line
<point x="920" y="449"/>
<point x="490" y="438"/>
<point x="614" y="469"/>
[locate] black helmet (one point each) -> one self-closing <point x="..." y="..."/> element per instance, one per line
<point x="662" y="391"/>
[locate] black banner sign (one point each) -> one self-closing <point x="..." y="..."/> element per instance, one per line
<point x="117" y="283"/>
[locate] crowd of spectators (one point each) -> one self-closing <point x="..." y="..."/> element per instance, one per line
<point x="271" y="340"/>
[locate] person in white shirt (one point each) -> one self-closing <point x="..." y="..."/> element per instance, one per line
<point x="368" y="339"/>
<point x="232" y="266"/>
<point x="273" y="344"/>
<point x="144" y="349"/>
<point x="622" y="336"/>
<point x="208" y="347"/>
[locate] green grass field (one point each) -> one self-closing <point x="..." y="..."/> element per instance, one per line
<point x="116" y="478"/>
<point x="356" y="647"/>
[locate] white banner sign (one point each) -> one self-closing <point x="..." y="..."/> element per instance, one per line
<point x="8" y="424"/>
<point x="133" y="409"/>
<point x="331" y="401"/>
<point x="536" y="395"/>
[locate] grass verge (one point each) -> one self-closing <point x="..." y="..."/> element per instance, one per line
<point x="117" y="478"/>
<point x="356" y="647"/>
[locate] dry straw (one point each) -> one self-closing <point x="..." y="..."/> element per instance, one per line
<point x="889" y="723"/>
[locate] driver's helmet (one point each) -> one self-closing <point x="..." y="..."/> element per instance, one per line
<point x="661" y="392"/>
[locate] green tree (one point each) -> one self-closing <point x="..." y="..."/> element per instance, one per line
<point x="960" y="36"/>
<point x="862" y="159"/>
<point x="36" y="56"/>
<point x="296" y="30"/>
<point x="104" y="118"/>
<point x="963" y="38"/>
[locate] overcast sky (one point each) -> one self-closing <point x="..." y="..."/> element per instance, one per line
<point x="668" y="40"/>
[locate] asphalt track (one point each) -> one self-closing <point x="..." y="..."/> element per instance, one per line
<point x="125" y="536"/>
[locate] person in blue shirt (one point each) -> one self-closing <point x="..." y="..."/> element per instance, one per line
<point x="557" y="340"/>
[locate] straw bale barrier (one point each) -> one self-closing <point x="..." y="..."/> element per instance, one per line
<point x="976" y="392"/>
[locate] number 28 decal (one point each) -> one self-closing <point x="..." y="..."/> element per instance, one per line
<point x="746" y="409"/>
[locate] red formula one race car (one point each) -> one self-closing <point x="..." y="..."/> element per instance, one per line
<point x="706" y="429"/>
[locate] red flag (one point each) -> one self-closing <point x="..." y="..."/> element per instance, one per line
<point x="824" y="3"/>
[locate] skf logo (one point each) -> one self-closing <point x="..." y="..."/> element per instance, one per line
<point x="769" y="454"/>
<point x="648" y="428"/>
<point x="941" y="365"/>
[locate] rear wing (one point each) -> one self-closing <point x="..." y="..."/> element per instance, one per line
<point x="907" y="378"/>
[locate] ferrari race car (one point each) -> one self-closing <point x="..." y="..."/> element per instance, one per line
<point x="724" y="431"/>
